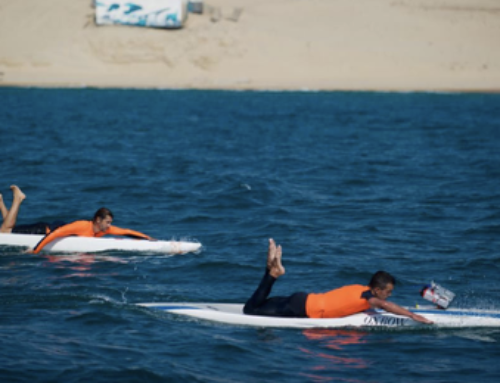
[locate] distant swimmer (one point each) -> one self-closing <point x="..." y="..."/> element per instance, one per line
<point x="98" y="227"/>
<point x="336" y="303"/>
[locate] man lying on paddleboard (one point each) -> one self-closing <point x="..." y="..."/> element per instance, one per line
<point x="98" y="227"/>
<point x="336" y="303"/>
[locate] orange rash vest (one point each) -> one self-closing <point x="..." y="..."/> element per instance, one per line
<point x="337" y="303"/>
<point x="84" y="229"/>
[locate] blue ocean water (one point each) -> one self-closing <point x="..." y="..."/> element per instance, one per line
<point x="348" y="183"/>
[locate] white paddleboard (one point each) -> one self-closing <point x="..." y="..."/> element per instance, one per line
<point x="233" y="314"/>
<point x="90" y="244"/>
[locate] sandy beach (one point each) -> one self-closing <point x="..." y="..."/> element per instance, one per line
<point x="401" y="45"/>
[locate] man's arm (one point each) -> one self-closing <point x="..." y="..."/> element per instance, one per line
<point x="113" y="230"/>
<point x="395" y="309"/>
<point x="63" y="231"/>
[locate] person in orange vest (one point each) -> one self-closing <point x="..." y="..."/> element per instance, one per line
<point x="336" y="303"/>
<point x="98" y="227"/>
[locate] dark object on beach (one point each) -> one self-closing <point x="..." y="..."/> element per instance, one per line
<point x="195" y="6"/>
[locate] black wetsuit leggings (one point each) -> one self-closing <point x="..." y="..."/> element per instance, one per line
<point x="37" y="228"/>
<point x="293" y="306"/>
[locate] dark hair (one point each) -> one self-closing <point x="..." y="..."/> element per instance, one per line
<point x="380" y="279"/>
<point x="102" y="213"/>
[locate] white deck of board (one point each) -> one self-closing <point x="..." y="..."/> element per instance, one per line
<point x="87" y="244"/>
<point x="233" y="314"/>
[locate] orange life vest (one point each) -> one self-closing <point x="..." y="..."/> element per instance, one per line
<point x="337" y="303"/>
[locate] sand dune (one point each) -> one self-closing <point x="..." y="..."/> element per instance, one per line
<point x="436" y="45"/>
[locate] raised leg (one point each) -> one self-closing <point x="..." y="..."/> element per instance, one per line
<point x="260" y="303"/>
<point x="10" y="219"/>
<point x="3" y="208"/>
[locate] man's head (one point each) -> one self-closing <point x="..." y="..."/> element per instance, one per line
<point x="102" y="219"/>
<point x="382" y="284"/>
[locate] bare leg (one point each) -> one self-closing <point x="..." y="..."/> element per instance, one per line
<point x="11" y="217"/>
<point x="3" y="208"/>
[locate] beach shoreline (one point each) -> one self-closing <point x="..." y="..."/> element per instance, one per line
<point x="71" y="86"/>
<point x="315" y="45"/>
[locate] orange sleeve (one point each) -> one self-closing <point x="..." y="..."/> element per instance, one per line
<point x="113" y="230"/>
<point x="80" y="228"/>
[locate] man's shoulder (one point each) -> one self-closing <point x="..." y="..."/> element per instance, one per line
<point x="79" y="223"/>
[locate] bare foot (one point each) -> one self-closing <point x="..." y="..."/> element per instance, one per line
<point x="271" y="254"/>
<point x="277" y="270"/>
<point x="18" y="194"/>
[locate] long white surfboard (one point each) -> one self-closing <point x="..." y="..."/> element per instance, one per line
<point x="233" y="314"/>
<point x="86" y="244"/>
